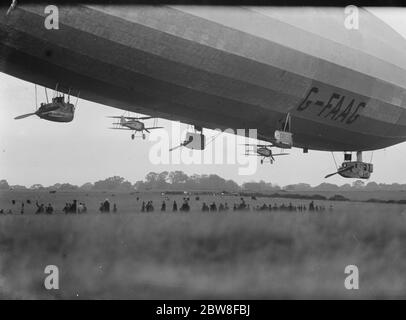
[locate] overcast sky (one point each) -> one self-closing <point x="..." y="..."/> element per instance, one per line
<point x="38" y="151"/>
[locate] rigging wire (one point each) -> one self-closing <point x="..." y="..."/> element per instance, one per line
<point x="335" y="162"/>
<point x="213" y="138"/>
<point x="36" y="103"/>
<point x="46" y="94"/>
<point x="56" y="91"/>
<point x="77" y="98"/>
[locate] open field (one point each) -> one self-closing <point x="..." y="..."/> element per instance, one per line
<point x="201" y="255"/>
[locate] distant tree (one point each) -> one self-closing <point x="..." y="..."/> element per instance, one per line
<point x="56" y="186"/>
<point x="155" y="180"/>
<point x="358" y="184"/>
<point x="4" y="185"/>
<point x="86" y="186"/>
<point x="126" y="186"/>
<point x="139" y="186"/>
<point x="18" y="187"/>
<point x="37" y="186"/>
<point x="231" y="186"/>
<point x="113" y="183"/>
<point x="68" y="187"/>
<point x="298" y="187"/>
<point x="151" y="178"/>
<point x="372" y="186"/>
<point x="161" y="180"/>
<point x="163" y="176"/>
<point x="211" y="182"/>
<point x="177" y="177"/>
<point x="394" y="186"/>
<point x="345" y="187"/>
<point x="326" y="187"/>
<point x="261" y="187"/>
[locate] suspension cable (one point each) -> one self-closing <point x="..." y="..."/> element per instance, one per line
<point x="213" y="138"/>
<point x="335" y="162"/>
<point x="46" y="94"/>
<point x="36" y="103"/>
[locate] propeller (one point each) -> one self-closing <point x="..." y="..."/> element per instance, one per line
<point x="174" y="148"/>
<point x="25" y="115"/>
<point x="339" y="171"/>
<point x="280" y="154"/>
<point x="183" y="144"/>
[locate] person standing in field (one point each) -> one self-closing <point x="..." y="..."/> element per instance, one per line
<point x="163" y="206"/>
<point x="150" y="206"/>
<point x="49" y="209"/>
<point x="40" y="207"/>
<point x="80" y="207"/>
<point x="205" y="207"/>
<point x="22" y="208"/>
<point x="66" y="208"/>
<point x="175" y="206"/>
<point x="106" y="205"/>
<point x="114" y="208"/>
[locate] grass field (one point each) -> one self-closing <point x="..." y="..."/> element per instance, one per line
<point x="260" y="255"/>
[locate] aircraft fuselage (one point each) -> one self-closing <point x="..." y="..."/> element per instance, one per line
<point x="134" y="125"/>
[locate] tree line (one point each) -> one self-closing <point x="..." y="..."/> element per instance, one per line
<point x="180" y="181"/>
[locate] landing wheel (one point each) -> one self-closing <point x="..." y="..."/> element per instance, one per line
<point x="262" y="161"/>
<point x="143" y="136"/>
<point x="133" y="136"/>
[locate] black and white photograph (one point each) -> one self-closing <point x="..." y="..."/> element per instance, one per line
<point x="180" y="151"/>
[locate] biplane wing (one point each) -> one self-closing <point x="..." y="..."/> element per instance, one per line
<point x="152" y="128"/>
<point x="120" y="128"/>
<point x="130" y="118"/>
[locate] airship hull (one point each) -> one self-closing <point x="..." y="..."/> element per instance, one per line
<point x="219" y="68"/>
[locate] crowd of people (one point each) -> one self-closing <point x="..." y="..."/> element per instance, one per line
<point x="106" y="207"/>
<point x="149" y="206"/>
<point x="291" y="207"/>
<point x="42" y="208"/>
<point x="242" y="206"/>
<point x="74" y="207"/>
